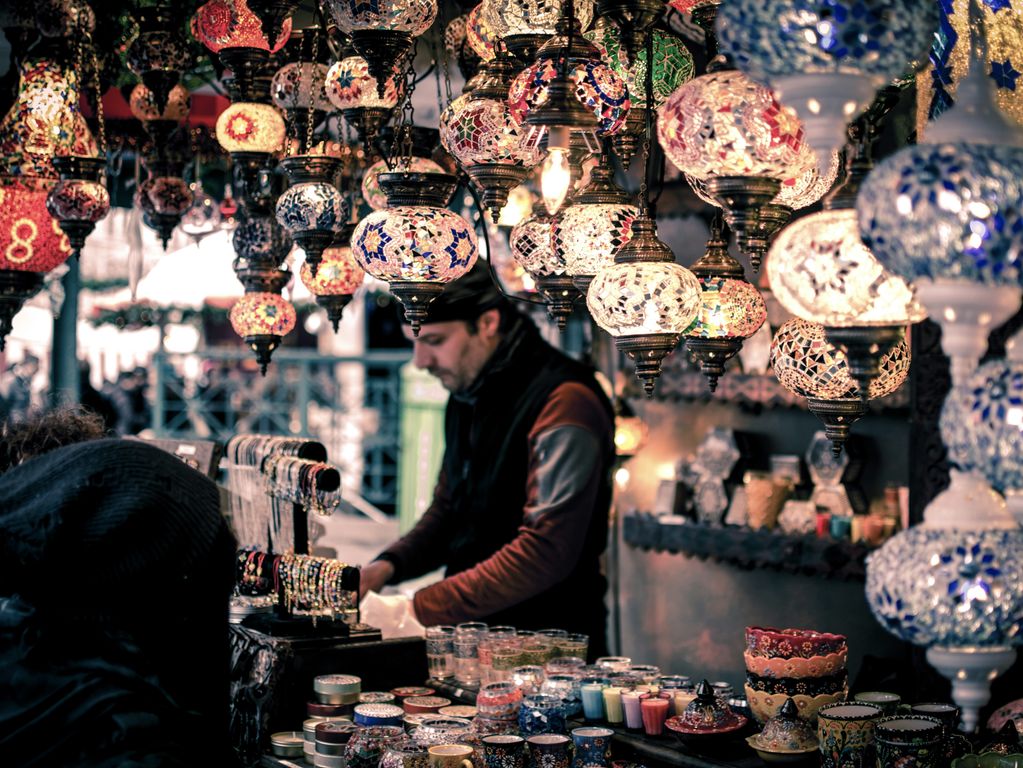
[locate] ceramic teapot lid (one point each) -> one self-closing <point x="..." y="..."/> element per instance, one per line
<point x="786" y="732"/>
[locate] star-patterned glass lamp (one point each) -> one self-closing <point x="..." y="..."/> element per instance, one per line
<point x="338" y="277"/>
<point x="312" y="210"/>
<point x="263" y="319"/>
<point x="416" y="244"/>
<point x="731" y="309"/>
<point x="820" y="270"/>
<point x="355" y="92"/>
<point x="483" y="137"/>
<point x="945" y="216"/>
<point x="532" y="246"/>
<point x="382" y="31"/>
<point x="826" y="58"/>
<point x="808" y="365"/>
<point x="732" y="134"/>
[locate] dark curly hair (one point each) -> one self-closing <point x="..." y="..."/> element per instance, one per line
<point x="47" y="431"/>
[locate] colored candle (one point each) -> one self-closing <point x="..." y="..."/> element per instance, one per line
<point x="613" y="705"/>
<point x="633" y="713"/>
<point x="654" y="711"/>
<point x="593" y="701"/>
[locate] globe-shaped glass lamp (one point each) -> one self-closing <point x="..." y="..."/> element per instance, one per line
<point x="673" y="63"/>
<point x="349" y="86"/>
<point x="821" y="271"/>
<point x="261" y="240"/>
<point x="982" y="425"/>
<point x="143" y="105"/>
<point x="481" y="38"/>
<point x="262" y="319"/>
<point x="312" y="210"/>
<point x="826" y="58"/>
<point x="221" y="24"/>
<point x="168" y="194"/>
<point x="530" y="17"/>
<point x="597" y="87"/>
<point x="31" y="240"/>
<point x="371" y="191"/>
<point x="808" y="365"/>
<point x="337" y="279"/>
<point x="300" y="85"/>
<point x="955" y="584"/>
<point x="80" y="198"/>
<point x="947" y="218"/>
<point x="250" y="127"/>
<point x="482" y="130"/>
<point x="589" y="235"/>
<point x="731" y="310"/>
<point x="417" y="249"/>
<point x="411" y="16"/>
<point x="203" y="216"/>
<point x="532" y="245"/>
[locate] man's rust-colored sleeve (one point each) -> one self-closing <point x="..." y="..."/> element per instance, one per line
<point x="566" y="443"/>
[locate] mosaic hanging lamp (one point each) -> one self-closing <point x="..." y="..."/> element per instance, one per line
<point x="634" y="18"/>
<point x="485" y="140"/>
<point x="338" y="277"/>
<point x="645" y="300"/>
<point x="732" y="134"/>
<point x="809" y="366"/>
<point x="160" y="53"/>
<point x="312" y="210"/>
<point x="673" y="67"/>
<point x="382" y="32"/>
<point x="355" y="92"/>
<point x="590" y="232"/>
<point x="80" y="198"/>
<point x="826" y="58"/>
<point x="944" y="216"/>
<point x="820" y="270"/>
<point x="274" y="16"/>
<point x="526" y="25"/>
<point x="532" y="245"/>
<point x="299" y="87"/>
<point x="415" y="244"/>
<point x="731" y="309"/>
<point x="263" y="319"/>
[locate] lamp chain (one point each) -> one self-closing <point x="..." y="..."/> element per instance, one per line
<point x="403" y="136"/>
<point x="311" y="75"/>
<point x="644" y="187"/>
<point x="98" y="92"/>
<point x="440" y="61"/>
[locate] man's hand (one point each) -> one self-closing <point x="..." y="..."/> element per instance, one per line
<point x="375" y="576"/>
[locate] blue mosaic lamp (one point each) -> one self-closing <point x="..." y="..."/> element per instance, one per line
<point x="312" y="210"/>
<point x="826" y="58"/>
<point x="416" y="245"/>
<point x="945" y="215"/>
<point x="955" y="585"/>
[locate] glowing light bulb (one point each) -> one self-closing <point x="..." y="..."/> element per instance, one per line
<point x="555" y="179"/>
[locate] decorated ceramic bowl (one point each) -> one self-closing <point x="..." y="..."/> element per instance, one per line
<point x="790" y="686"/>
<point x="989" y="760"/>
<point x="706" y="717"/>
<point x="790" y="643"/>
<point x="766" y="705"/>
<point x="796" y="667"/>
<point x="779" y="755"/>
<point x="1012" y="711"/>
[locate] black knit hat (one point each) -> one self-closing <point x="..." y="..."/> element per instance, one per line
<point x="468" y="297"/>
<point x="102" y="524"/>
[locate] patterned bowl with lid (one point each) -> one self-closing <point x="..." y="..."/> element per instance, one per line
<point x="378" y="714"/>
<point x="789" y="643"/>
<point x="442" y="730"/>
<point x="785" y="734"/>
<point x="704" y="717"/>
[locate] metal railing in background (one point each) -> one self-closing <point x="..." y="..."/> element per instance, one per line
<point x="350" y="404"/>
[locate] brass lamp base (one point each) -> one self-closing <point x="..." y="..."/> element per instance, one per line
<point x="382" y="49"/>
<point x="247" y="65"/>
<point x="263" y="345"/>
<point x="559" y="294"/>
<point x="741" y="198"/>
<point x="418" y="188"/>
<point x="367" y="122"/>
<point x="865" y="347"/>
<point x="712" y="354"/>
<point x="772" y="218"/>
<point x="838" y="417"/>
<point x="415" y="297"/>
<point x="335" y="306"/>
<point x="495" y="181"/>
<point x="647" y="351"/>
<point x="314" y="242"/>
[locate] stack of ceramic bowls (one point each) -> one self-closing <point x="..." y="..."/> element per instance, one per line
<point x="807" y="666"/>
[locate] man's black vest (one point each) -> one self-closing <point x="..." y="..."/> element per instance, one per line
<point x="486" y="463"/>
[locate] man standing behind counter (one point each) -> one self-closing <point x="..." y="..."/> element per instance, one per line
<point x="520" y="511"/>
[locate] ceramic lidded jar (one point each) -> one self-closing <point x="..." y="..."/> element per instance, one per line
<point x="442" y="730"/>
<point x="786" y="732"/>
<point x="404" y="754"/>
<point x="912" y="741"/>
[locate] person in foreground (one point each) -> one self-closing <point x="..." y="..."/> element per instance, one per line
<point x="116" y="568"/>
<point x="519" y="513"/>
